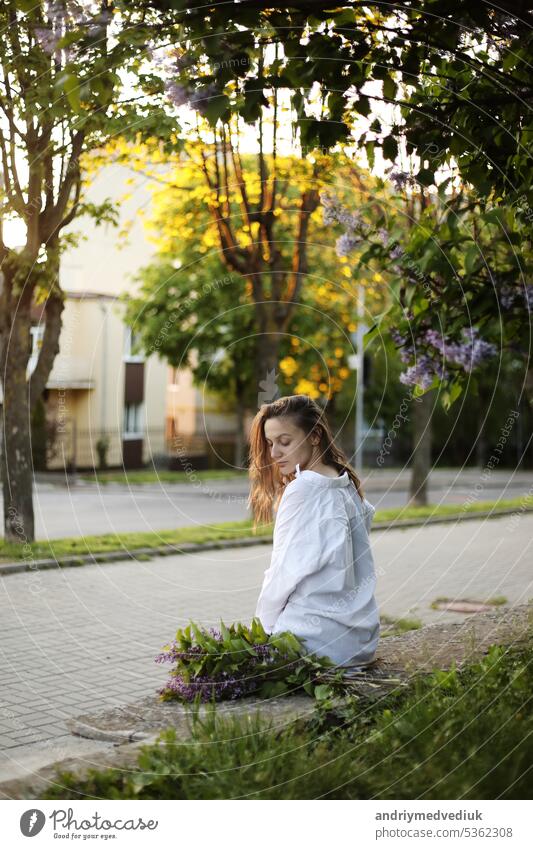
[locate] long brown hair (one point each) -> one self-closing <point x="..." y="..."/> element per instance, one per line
<point x="266" y="480"/>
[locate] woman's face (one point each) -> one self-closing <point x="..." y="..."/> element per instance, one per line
<point x="288" y="444"/>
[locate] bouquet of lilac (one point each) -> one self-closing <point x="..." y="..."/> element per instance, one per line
<point x="238" y="660"/>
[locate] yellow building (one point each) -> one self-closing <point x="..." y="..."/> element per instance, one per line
<point x="101" y="391"/>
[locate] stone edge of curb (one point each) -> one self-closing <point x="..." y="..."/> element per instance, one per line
<point x="186" y="547"/>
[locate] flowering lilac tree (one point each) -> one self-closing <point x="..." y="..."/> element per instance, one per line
<point x="424" y="59"/>
<point x="440" y="275"/>
<point x="459" y="279"/>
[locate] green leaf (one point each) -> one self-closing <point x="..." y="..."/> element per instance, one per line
<point x="216" y="107"/>
<point x="390" y="148"/>
<point x="323" y="691"/>
<point x="389" y="87"/>
<point x="271" y="689"/>
<point x="425" y="177"/>
<point x="70" y="85"/>
<point x="362" y="106"/>
<point x="224" y="631"/>
<point x="472" y="258"/>
<point x="292" y="642"/>
<point x="451" y="395"/>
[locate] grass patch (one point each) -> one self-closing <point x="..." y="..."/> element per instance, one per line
<point x="68" y="546"/>
<point x="392" y="627"/>
<point x="99" y="544"/>
<point x="454" y="735"/>
<point x="399" y="513"/>
<point x="496" y="601"/>
<point x="141" y="476"/>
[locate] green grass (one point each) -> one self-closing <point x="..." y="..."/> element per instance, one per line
<point x="99" y="544"/>
<point x="389" y="514"/>
<point x="453" y="735"/>
<point x="161" y="476"/>
<point x="130" y="541"/>
<point x="496" y="601"/>
<point x="392" y="627"/>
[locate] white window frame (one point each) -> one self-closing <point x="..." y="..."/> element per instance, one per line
<point x="137" y="422"/>
<point x="129" y="338"/>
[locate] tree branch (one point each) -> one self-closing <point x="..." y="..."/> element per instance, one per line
<point x="49" y="349"/>
<point x="310" y="201"/>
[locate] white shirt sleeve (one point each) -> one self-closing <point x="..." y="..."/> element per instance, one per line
<point x="369" y="514"/>
<point x="296" y="553"/>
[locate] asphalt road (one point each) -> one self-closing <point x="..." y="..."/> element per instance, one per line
<point x="85" y="508"/>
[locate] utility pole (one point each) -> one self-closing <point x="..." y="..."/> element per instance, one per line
<point x="357" y="361"/>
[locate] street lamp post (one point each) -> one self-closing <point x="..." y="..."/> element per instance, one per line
<point x="357" y="362"/>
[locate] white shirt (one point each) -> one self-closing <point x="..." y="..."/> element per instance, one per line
<point x="321" y="579"/>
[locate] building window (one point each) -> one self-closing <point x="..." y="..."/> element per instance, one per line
<point x="133" y="352"/>
<point x="133" y="426"/>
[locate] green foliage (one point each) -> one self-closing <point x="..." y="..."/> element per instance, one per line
<point x="239" y="659"/>
<point x="457" y="734"/>
<point x="189" y="300"/>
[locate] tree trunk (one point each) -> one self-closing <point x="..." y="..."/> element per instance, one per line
<point x="421" y="453"/>
<point x="17" y="471"/>
<point x="529" y="387"/>
<point x="240" y="410"/>
<point x="268" y="343"/>
<point x="239" y="458"/>
<point x="481" y="443"/>
<point x="20" y="397"/>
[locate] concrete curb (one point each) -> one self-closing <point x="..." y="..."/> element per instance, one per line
<point x="187" y="547"/>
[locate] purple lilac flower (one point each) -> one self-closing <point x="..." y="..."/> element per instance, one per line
<point x="406" y="353"/>
<point x="174" y="653"/>
<point x="336" y="213"/>
<point x="507" y="296"/>
<point x="397" y="337"/>
<point x="47" y="39"/>
<point x="97" y="25"/>
<point x="422" y="373"/>
<point x="396" y="252"/>
<point x="225" y="687"/>
<point x="346" y="243"/>
<point x="400" y="179"/>
<point x="416" y="376"/>
<point x="468" y="354"/>
<point x="200" y="98"/>
<point x="180" y="60"/>
<point x="383" y="235"/>
<point x="176" y="93"/>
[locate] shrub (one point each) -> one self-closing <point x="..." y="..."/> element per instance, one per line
<point x="457" y="734"/>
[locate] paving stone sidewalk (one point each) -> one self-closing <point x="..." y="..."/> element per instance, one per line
<point x="77" y="641"/>
<point x="400" y="658"/>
